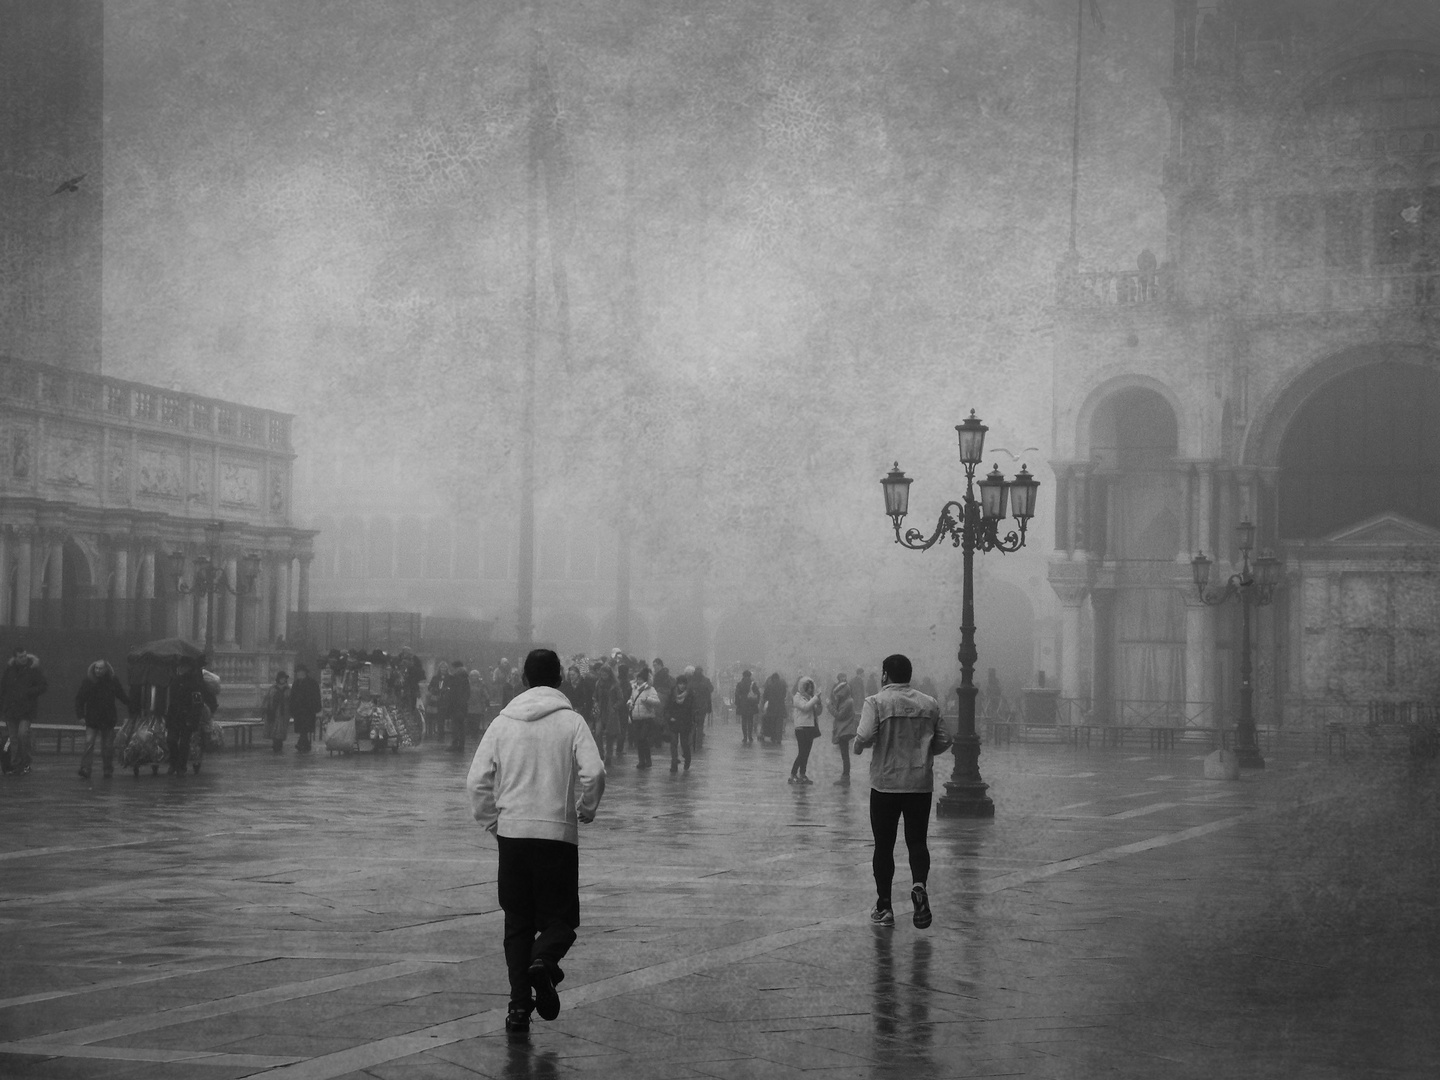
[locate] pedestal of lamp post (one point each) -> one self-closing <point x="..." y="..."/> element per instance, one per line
<point x="965" y="793"/>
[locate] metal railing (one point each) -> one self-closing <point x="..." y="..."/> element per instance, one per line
<point x="1139" y="713"/>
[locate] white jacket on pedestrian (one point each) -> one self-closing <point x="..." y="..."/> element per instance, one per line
<point x="523" y="774"/>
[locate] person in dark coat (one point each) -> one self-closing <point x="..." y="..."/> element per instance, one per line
<point x="661" y="679"/>
<point x="95" y="708"/>
<point x="20" y="688"/>
<point x="680" y="720"/>
<point x="275" y="709"/>
<point x="188" y="698"/>
<point x="454" y="697"/>
<point x="747" y="705"/>
<point x="304" y="707"/>
<point x="842" y="710"/>
<point x="774" y="708"/>
<point x="703" y="690"/>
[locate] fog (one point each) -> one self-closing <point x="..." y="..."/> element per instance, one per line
<point x="775" y="248"/>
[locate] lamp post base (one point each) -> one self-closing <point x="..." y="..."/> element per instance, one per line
<point x="965" y="800"/>
<point x="1249" y="757"/>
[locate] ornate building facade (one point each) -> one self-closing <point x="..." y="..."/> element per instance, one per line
<point x="113" y="494"/>
<point x="1282" y="366"/>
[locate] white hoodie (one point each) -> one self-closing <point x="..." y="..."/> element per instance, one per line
<point x="523" y="775"/>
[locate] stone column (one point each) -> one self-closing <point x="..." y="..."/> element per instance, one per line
<point x="282" y="599"/>
<point x="232" y="603"/>
<point x="6" y="600"/>
<point x="1071" y="598"/>
<point x="264" y="605"/>
<point x="302" y="600"/>
<point x="1205" y="509"/>
<point x="120" y="591"/>
<point x="24" y="576"/>
<point x="1201" y="708"/>
<point x="1102" y="679"/>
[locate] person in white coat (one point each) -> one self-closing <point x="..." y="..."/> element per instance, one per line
<point x="521" y="783"/>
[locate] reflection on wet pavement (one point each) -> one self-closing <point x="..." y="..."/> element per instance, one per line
<point x="324" y="917"/>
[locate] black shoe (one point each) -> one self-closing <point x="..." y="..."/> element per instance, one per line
<point x="922" y="907"/>
<point x="517" y="1022"/>
<point x="547" y="1001"/>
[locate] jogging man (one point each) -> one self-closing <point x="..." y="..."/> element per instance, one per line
<point x="520" y="785"/>
<point x="904" y="727"/>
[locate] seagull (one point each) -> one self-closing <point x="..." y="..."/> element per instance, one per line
<point x="73" y="184"/>
<point x="1013" y="456"/>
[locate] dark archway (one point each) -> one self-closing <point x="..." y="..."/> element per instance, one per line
<point x="1134" y="439"/>
<point x="78" y="610"/>
<point x="1361" y="444"/>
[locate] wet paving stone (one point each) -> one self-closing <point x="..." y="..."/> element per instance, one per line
<point x="320" y="918"/>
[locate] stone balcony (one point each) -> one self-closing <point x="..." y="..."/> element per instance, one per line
<point x="105" y="443"/>
<point x="1272" y="293"/>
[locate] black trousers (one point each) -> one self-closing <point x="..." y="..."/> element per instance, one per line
<point x="177" y="741"/>
<point x="539" y="884"/>
<point x="747" y="728"/>
<point x="805" y="737"/>
<point x="886" y="810"/>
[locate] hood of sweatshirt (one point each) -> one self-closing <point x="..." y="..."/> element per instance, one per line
<point x="536" y="703"/>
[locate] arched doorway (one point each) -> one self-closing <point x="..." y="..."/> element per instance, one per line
<point x="1357" y="513"/>
<point x="1363" y="444"/>
<point x="78" y="610"/>
<point x="1137" y="528"/>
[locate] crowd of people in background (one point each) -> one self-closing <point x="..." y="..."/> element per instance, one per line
<point x="629" y="705"/>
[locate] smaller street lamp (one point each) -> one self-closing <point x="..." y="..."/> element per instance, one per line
<point x="1251" y="587"/>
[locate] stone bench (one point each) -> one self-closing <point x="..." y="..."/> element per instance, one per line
<point x="242" y="730"/>
<point x="60" y="731"/>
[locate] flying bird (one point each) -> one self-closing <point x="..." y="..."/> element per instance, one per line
<point x="1014" y="456"/>
<point x="73" y="184"/>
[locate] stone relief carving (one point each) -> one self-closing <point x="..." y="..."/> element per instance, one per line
<point x="239" y="484"/>
<point x="21" y="455"/>
<point x="200" y="487"/>
<point x="118" y="476"/>
<point x="70" y="461"/>
<point x="277" y="494"/>
<point x="161" y="474"/>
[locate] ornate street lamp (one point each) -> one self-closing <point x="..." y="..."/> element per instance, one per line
<point x="972" y="525"/>
<point x="1253" y="588"/>
<point x="210" y="579"/>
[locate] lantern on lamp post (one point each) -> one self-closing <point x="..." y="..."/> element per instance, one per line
<point x="972" y="524"/>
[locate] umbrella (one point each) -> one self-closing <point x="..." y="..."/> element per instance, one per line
<point x="155" y="661"/>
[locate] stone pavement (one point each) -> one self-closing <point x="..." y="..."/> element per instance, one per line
<point x="314" y="917"/>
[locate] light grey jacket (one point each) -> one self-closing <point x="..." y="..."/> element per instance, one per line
<point x="904" y="727"/>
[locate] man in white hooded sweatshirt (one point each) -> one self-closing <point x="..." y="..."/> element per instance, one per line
<point x="521" y="786"/>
